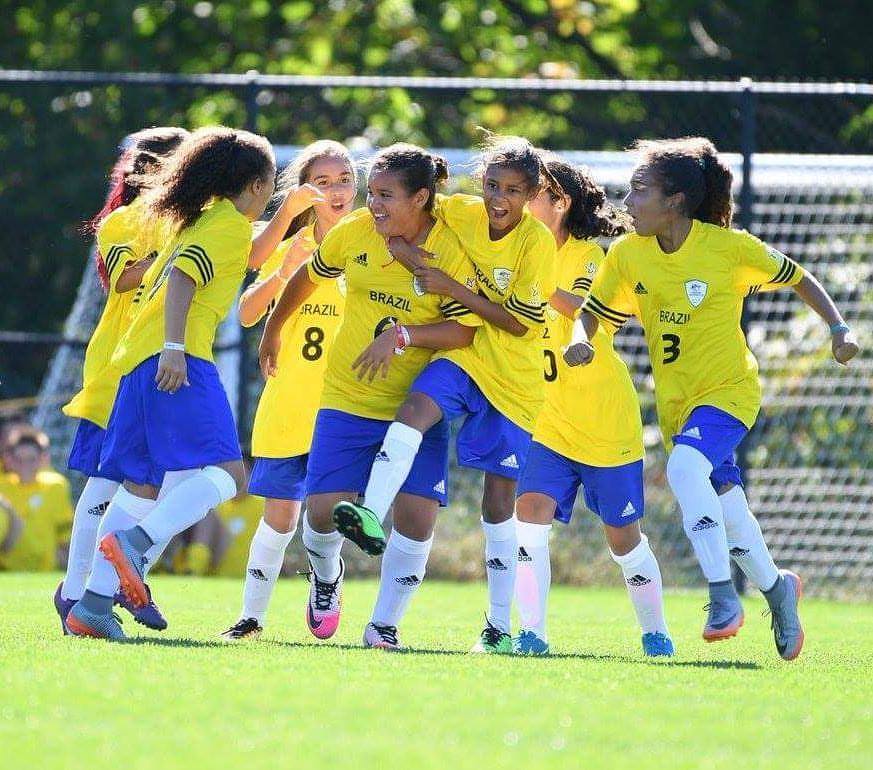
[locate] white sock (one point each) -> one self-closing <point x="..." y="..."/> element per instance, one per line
<point x="534" y="576"/>
<point x="324" y="551"/>
<point x="688" y="474"/>
<point x="501" y="560"/>
<point x="643" y="579"/>
<point x="188" y="502"/>
<point x="125" y="511"/>
<point x="391" y="467"/>
<point x="403" y="567"/>
<point x="91" y="506"/>
<point x="171" y="480"/>
<point x="266" y="554"/>
<point x="746" y="541"/>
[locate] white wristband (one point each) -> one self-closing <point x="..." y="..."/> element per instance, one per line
<point x="180" y="346"/>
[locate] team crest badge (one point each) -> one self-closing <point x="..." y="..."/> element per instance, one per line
<point x="551" y="313"/>
<point x="502" y="276"/>
<point x="416" y="287"/>
<point x="696" y="291"/>
<point x="591" y="268"/>
<point x="775" y="254"/>
<point x="341" y="284"/>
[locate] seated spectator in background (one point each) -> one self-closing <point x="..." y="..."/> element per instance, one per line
<point x="40" y="499"/>
<point x="197" y="550"/>
<point x="9" y="423"/>
<point x="10" y="526"/>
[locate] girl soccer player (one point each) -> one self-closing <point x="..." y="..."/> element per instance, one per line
<point x="595" y="442"/>
<point x="127" y="245"/>
<point x="497" y="383"/>
<point x="172" y="414"/>
<point x="684" y="274"/>
<point x="281" y="436"/>
<point x="388" y="334"/>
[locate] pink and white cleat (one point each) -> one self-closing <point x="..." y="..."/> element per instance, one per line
<point x="324" y="605"/>
<point x="381" y="637"/>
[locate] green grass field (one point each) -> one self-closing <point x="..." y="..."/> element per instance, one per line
<point x="181" y="699"/>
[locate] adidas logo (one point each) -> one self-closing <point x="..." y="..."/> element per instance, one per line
<point x="629" y="510"/>
<point x="510" y="462"/>
<point x="638" y="580"/>
<point x="737" y="552"/>
<point x="640" y="289"/>
<point x="440" y="487"/>
<point x="495" y="564"/>
<point x="409" y="580"/>
<point x="361" y="259"/>
<point x="258" y="574"/>
<point x="523" y="555"/>
<point x="382" y="457"/>
<point x="693" y="433"/>
<point x="98" y="510"/>
<point x="704" y="523"/>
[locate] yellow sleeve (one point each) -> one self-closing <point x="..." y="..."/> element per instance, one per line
<point x="328" y="260"/>
<point x="536" y="281"/>
<point x="610" y="298"/>
<point x="203" y="251"/>
<point x="592" y="260"/>
<point x="456" y="210"/>
<point x="462" y="270"/>
<point x="762" y="268"/>
<point x="117" y="242"/>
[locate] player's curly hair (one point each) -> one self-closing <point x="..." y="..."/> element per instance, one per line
<point x="212" y="162"/>
<point x="590" y="215"/>
<point x="518" y="154"/>
<point x="691" y="165"/>
<point x="299" y="172"/>
<point x="418" y="168"/>
<point x="133" y="172"/>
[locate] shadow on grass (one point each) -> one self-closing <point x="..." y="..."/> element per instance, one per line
<point x="163" y="641"/>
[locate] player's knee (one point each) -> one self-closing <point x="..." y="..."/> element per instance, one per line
<point x="498" y="499"/>
<point x="686" y="466"/>
<point x="532" y="508"/>
<point x="622" y="540"/>
<point x="419" y="411"/>
<point x="281" y="515"/>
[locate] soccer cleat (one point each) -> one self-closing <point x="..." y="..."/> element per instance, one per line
<point x="245" y="629"/>
<point x="493" y="641"/>
<point x="361" y="526"/>
<point x="785" y="622"/>
<point x="129" y="564"/>
<point x="324" y="605"/>
<point x="149" y="615"/>
<point x="528" y="643"/>
<point x="381" y="637"/>
<point x="63" y="607"/>
<point x="82" y="622"/>
<point x="725" y="615"/>
<point x="657" y="645"/>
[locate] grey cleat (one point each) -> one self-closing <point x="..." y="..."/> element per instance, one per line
<point x="725" y="612"/>
<point x="783" y="599"/>
<point x="83" y="622"/>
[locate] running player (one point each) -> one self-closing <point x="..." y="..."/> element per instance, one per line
<point x="127" y="245"/>
<point x="388" y="334"/>
<point x="171" y="413"/>
<point x="596" y="441"/>
<point x="684" y="275"/>
<point x="281" y="436"/>
<point x="496" y="384"/>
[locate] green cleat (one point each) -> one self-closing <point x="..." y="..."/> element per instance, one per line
<point x="361" y="526"/>
<point x="493" y="641"/>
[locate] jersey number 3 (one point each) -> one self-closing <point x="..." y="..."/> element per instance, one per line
<point x="671" y="348"/>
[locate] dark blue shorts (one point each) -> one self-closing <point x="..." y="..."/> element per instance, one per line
<point x="615" y="494"/>
<point x="279" y="478"/>
<point x="151" y="431"/>
<point x="85" y="451"/>
<point x="716" y="435"/>
<point x="344" y="447"/>
<point x="487" y="440"/>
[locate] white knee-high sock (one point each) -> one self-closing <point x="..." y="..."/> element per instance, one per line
<point x="746" y="541"/>
<point x="188" y="502"/>
<point x="501" y="560"/>
<point x="642" y="575"/>
<point x="125" y="511"/>
<point x="91" y="506"/>
<point x="534" y="578"/>
<point x="391" y="467"/>
<point x="324" y="551"/>
<point x="266" y="554"/>
<point x="688" y="474"/>
<point x="171" y="480"/>
<point x="403" y="567"/>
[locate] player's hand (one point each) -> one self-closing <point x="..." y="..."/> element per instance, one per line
<point x="303" y="197"/>
<point x="432" y="280"/>
<point x="377" y="356"/>
<point x="411" y="257"/>
<point x="172" y="371"/>
<point x="268" y="352"/>
<point x="579" y="354"/>
<point x="299" y="250"/>
<point x="844" y="346"/>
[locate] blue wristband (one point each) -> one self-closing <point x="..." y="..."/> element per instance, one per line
<point x="840" y="327"/>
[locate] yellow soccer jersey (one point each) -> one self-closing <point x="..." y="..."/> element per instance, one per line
<point x="518" y="272"/>
<point x="47" y="513"/>
<point x="379" y="292"/>
<point x="240" y="517"/>
<point x="213" y="252"/>
<point x="289" y="402"/>
<point x="689" y="304"/>
<point x="591" y="413"/>
<point x="123" y="237"/>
